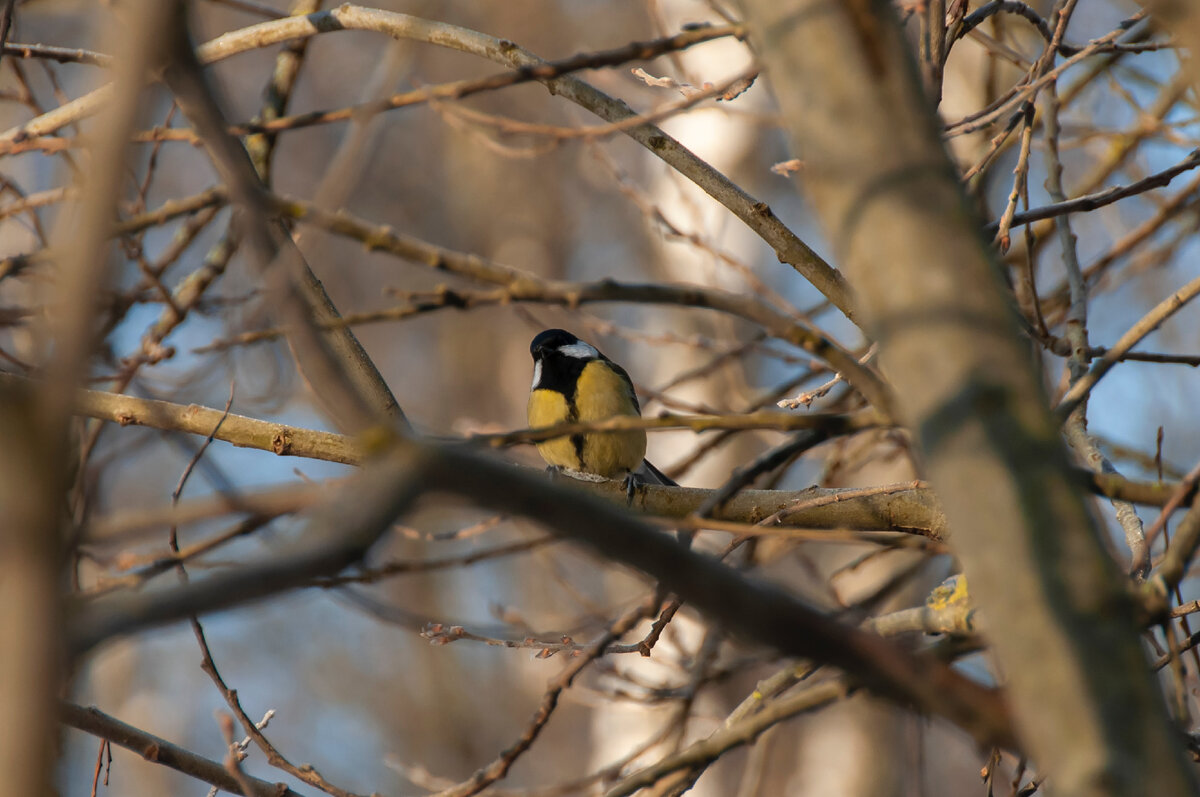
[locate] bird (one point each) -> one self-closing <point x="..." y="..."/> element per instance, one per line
<point x="574" y="382"/>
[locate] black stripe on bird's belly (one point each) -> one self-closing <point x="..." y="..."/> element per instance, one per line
<point x="561" y="374"/>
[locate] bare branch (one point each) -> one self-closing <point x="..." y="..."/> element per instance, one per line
<point x="159" y="751"/>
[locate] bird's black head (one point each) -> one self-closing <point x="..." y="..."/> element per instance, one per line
<point x="550" y="339"/>
<point x="561" y="342"/>
<point x="558" y="359"/>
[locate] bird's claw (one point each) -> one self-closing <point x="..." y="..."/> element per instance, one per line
<point x="633" y="483"/>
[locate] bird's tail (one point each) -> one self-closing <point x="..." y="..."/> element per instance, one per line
<point x="653" y="475"/>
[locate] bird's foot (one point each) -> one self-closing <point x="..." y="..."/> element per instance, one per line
<point x="634" y="481"/>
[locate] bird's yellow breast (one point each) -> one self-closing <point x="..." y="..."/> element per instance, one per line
<point x="600" y="393"/>
<point x="547" y="408"/>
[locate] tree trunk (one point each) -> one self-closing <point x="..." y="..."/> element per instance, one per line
<point x="929" y="291"/>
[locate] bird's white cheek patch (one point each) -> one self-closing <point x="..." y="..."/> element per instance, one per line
<point x="581" y="350"/>
<point x="537" y="374"/>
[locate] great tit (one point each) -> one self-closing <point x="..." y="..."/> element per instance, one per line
<point x="573" y="381"/>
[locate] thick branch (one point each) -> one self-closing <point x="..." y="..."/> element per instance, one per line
<point x="754" y="610"/>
